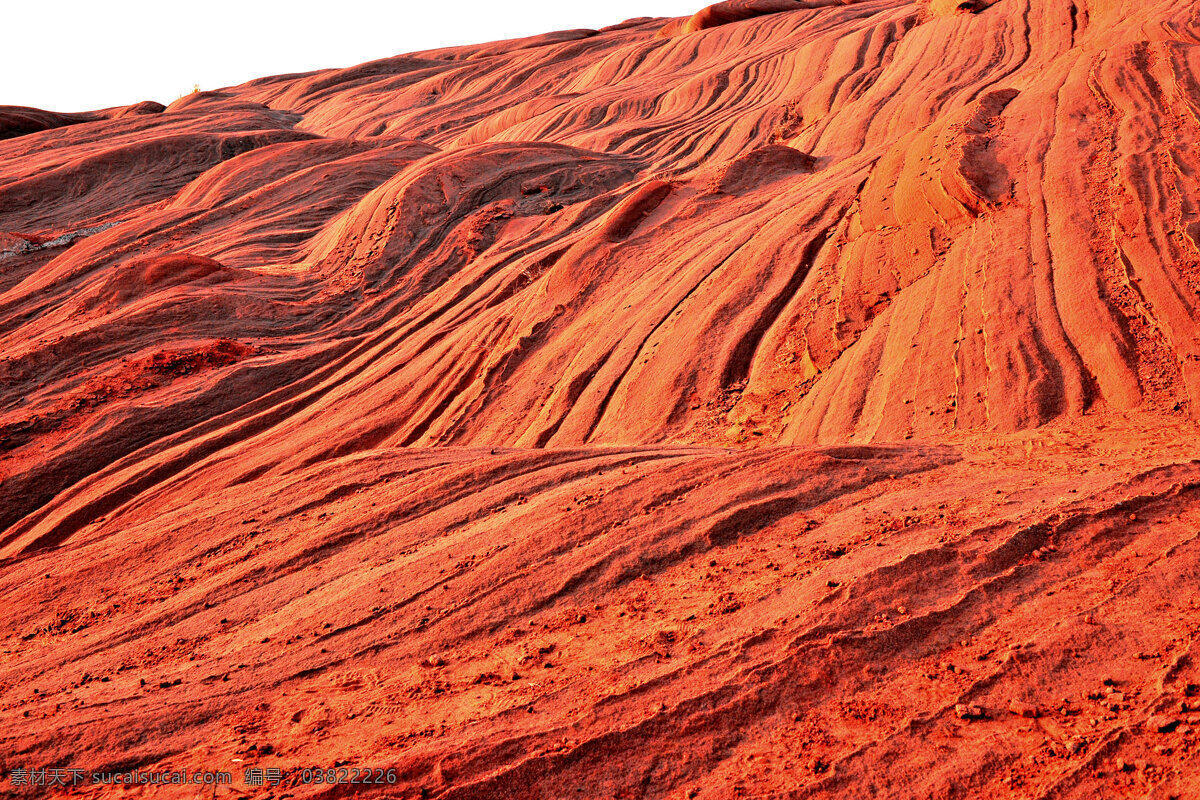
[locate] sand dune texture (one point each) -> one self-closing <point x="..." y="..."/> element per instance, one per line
<point x="797" y="399"/>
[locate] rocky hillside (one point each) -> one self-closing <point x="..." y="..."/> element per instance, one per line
<point x="797" y="399"/>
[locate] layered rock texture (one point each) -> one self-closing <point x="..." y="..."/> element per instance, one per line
<point x="797" y="399"/>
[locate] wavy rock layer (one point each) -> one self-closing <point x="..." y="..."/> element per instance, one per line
<point x="796" y="399"/>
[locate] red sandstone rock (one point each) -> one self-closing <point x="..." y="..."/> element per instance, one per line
<point x="616" y="414"/>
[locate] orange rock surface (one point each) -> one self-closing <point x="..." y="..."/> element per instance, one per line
<point x="794" y="400"/>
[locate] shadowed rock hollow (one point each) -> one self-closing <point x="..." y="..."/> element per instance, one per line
<point x="796" y="399"/>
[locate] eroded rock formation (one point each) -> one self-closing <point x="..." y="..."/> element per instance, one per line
<point x="797" y="399"/>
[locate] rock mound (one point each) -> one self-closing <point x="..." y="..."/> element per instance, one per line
<point x="798" y="400"/>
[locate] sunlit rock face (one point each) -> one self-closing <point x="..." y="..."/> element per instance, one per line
<point x="794" y="399"/>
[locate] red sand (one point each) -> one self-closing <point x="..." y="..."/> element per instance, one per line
<point x="794" y="400"/>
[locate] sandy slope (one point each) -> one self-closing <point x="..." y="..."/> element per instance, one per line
<point x="793" y="400"/>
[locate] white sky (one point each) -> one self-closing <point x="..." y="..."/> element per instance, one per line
<point x="78" y="55"/>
